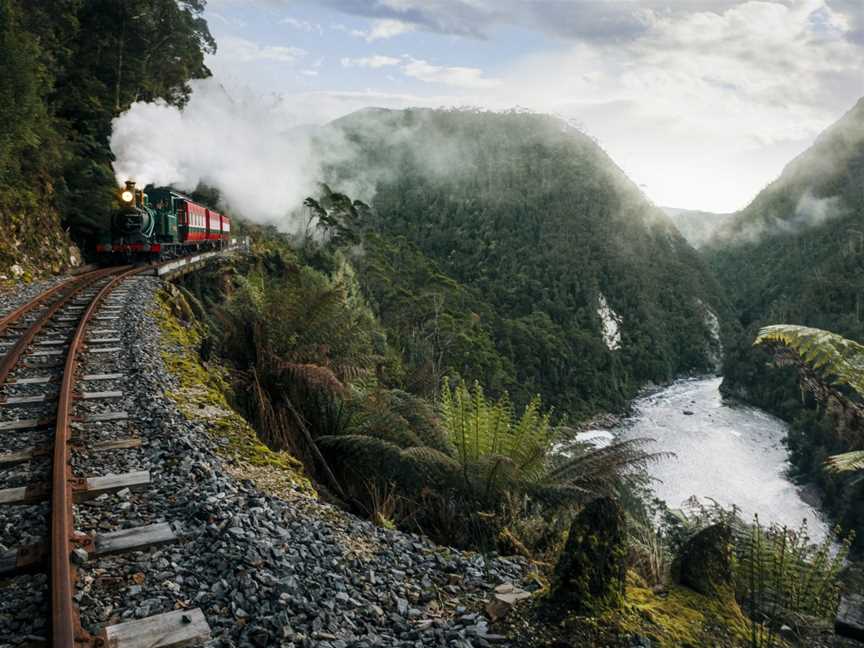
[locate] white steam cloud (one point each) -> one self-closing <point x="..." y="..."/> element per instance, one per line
<point x="247" y="148"/>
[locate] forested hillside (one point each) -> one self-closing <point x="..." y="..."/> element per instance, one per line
<point x="795" y="255"/>
<point x="68" y="68"/>
<point x="540" y="266"/>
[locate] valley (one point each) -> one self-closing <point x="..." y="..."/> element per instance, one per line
<point x="398" y="346"/>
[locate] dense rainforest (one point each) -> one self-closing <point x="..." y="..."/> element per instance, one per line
<point x="67" y="68"/>
<point x="539" y="244"/>
<point x="795" y="255"/>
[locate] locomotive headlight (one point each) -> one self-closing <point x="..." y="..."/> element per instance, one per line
<point x="127" y="196"/>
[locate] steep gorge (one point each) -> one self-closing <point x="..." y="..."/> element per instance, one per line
<point x="543" y="230"/>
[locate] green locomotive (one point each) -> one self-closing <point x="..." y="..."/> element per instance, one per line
<point x="158" y="222"/>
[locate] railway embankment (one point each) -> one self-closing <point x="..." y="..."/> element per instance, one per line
<point x="266" y="561"/>
<point x="34" y="243"/>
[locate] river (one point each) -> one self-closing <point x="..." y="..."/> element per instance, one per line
<point x="731" y="453"/>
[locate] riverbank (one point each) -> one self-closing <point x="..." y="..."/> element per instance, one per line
<point x="725" y="452"/>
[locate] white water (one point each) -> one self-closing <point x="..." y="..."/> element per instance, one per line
<point x="733" y="454"/>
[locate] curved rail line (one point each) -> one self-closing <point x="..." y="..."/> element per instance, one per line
<point x="13" y="355"/>
<point x="12" y="318"/>
<point x="170" y="629"/>
<point x="66" y="630"/>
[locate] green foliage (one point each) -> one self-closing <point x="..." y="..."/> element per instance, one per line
<point x="796" y="255"/>
<point x="67" y="69"/>
<point x="501" y="453"/>
<point x="780" y="576"/>
<point x="305" y="341"/>
<point x="438" y="325"/>
<point x="505" y="229"/>
<point x="827" y="359"/>
<point x="784" y="579"/>
<point x="847" y="461"/>
<point x="836" y="360"/>
<point x="487" y="435"/>
<point x="783" y="259"/>
<point x="22" y="84"/>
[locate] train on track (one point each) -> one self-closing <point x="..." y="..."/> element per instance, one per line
<point x="161" y="223"/>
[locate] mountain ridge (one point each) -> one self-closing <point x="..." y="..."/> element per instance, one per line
<point x="533" y="216"/>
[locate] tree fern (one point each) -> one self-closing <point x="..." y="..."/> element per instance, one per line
<point x="834" y="361"/>
<point x="847" y="462"/>
<point x="501" y="453"/>
<point x="837" y="360"/>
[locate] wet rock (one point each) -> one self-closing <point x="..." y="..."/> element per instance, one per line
<point x="850" y="617"/>
<point x="705" y="562"/>
<point x="504" y="598"/>
<point x="589" y="576"/>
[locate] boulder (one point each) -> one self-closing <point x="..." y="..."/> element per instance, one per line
<point x="705" y="562"/>
<point x="850" y="617"/>
<point x="589" y="576"/>
<point x="503" y="599"/>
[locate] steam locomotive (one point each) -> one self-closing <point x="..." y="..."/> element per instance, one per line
<point x="160" y="223"/>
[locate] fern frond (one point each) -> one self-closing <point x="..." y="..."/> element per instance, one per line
<point x="597" y="469"/>
<point x="363" y="454"/>
<point x="846" y="462"/>
<point x="314" y="376"/>
<point x="433" y="466"/>
<point x="420" y="416"/>
<point x="837" y="360"/>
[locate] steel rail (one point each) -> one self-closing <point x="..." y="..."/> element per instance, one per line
<point x="66" y="630"/>
<point x="13" y="355"/>
<point x="18" y="313"/>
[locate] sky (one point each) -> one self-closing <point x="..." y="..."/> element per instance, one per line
<point x="701" y="102"/>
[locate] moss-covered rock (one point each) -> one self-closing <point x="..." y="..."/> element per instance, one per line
<point x="705" y="561"/>
<point x="34" y="243"/>
<point x="680" y="616"/>
<point x="589" y="576"/>
<point x="674" y="617"/>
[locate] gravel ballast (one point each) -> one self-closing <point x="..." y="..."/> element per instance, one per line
<point x="265" y="570"/>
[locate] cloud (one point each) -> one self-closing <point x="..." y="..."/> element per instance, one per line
<point x="703" y="107"/>
<point x="374" y="62"/>
<point x="231" y="22"/>
<point x="597" y="20"/>
<point x="457" y="76"/>
<point x="702" y="101"/>
<point x="813" y="212"/>
<point x="460" y="77"/>
<point x="233" y="48"/>
<point x="302" y="25"/>
<point x="257" y="150"/>
<point x="383" y="29"/>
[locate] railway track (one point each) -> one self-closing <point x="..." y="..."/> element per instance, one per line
<point x="60" y="366"/>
